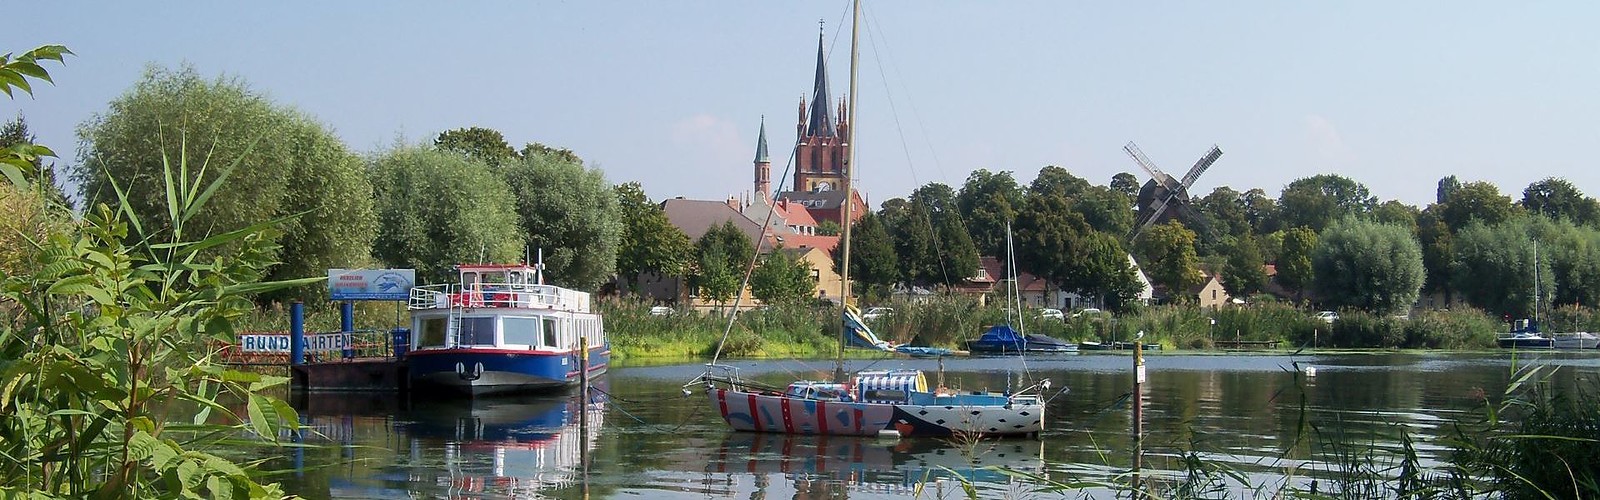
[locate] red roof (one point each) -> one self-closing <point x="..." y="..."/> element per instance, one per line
<point x="796" y="214"/>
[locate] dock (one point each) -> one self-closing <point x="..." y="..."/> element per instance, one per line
<point x="1246" y="344"/>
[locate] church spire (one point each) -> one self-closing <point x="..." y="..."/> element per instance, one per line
<point x="821" y="122"/>
<point x="761" y="143"/>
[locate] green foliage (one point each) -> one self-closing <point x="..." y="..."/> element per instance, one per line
<point x="21" y="161"/>
<point x="1573" y="253"/>
<point x="781" y="330"/>
<point x="1460" y="328"/>
<point x="1294" y="261"/>
<point x="439" y="209"/>
<point x="18" y="140"/>
<point x="650" y="243"/>
<point x="1168" y="257"/>
<point x="288" y="164"/>
<point x="1126" y="184"/>
<point x="1319" y="200"/>
<point x="1438" y="248"/>
<point x="929" y="236"/>
<point x="782" y="277"/>
<point x="1536" y="441"/>
<point x="1396" y="213"/>
<point x="483" y="144"/>
<point x="1055" y="243"/>
<point x="828" y="228"/>
<point x="111" y="391"/>
<point x="988" y="201"/>
<point x="873" y="261"/>
<point x="568" y="211"/>
<point x="1494" y="268"/>
<point x="722" y="254"/>
<point x="1476" y="201"/>
<point x="1243" y="275"/>
<point x="1556" y="198"/>
<point x="1367" y="265"/>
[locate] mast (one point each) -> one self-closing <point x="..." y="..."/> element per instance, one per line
<point x="849" y="164"/>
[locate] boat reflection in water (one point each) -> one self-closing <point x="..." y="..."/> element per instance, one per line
<point x="827" y="463"/>
<point x="514" y="447"/>
<point x="502" y="447"/>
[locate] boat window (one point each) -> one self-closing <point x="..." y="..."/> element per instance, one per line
<point x="468" y="278"/>
<point x="477" y="331"/>
<point x="521" y="331"/>
<point x="552" y="338"/>
<point x="431" y="332"/>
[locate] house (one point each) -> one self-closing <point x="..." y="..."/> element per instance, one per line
<point x="1209" y="292"/>
<point x="818" y="252"/>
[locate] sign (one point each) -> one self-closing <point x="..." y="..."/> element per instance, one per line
<point x="371" y="284"/>
<point x="279" y="343"/>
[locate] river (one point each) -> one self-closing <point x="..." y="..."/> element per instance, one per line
<point x="1258" y="417"/>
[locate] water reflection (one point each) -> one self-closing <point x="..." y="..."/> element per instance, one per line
<point x="1252" y="414"/>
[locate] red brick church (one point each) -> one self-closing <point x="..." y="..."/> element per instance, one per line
<point x="821" y="154"/>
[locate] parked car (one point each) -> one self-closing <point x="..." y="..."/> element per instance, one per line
<point x="1328" y="316"/>
<point x="1051" y="313"/>
<point x="1087" y="311"/>
<point x="661" y="311"/>
<point x="877" y="312"/>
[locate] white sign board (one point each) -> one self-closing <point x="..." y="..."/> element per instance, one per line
<point x="371" y="284"/>
<point x="280" y="342"/>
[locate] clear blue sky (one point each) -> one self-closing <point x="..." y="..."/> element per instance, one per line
<point x="670" y="94"/>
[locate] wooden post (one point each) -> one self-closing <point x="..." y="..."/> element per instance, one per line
<point x="583" y="410"/>
<point x="1138" y="407"/>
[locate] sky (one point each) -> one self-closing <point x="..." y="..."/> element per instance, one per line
<point x="1395" y="95"/>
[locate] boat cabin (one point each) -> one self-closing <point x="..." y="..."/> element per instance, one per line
<point x="502" y="307"/>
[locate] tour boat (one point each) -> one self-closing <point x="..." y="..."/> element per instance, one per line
<point x="500" y="329"/>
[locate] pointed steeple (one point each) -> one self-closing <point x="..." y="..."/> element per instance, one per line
<point x="821" y="123"/>
<point x="761" y="143"/>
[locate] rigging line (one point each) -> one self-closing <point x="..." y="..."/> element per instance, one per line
<point x="761" y="236"/>
<point x="938" y="250"/>
<point x="889" y="53"/>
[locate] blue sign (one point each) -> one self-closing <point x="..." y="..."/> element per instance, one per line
<point x="371" y="284"/>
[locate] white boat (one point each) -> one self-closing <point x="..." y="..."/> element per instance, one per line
<point x="502" y="330"/>
<point x="870" y="403"/>
<point x="1577" y="340"/>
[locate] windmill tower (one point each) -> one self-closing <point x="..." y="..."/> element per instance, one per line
<point x="1164" y="197"/>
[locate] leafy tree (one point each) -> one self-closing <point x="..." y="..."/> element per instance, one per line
<point x="20" y="161"/>
<point x="988" y="201"/>
<point x="1261" y="211"/>
<point x="129" y="402"/>
<point x="930" y="239"/>
<point x="1558" y="199"/>
<point x="1126" y="184"/>
<point x="1397" y="213"/>
<point x="1367" y="265"/>
<point x="287" y="163"/>
<point x="1168" y="256"/>
<point x="1270" y="245"/>
<point x="42" y="177"/>
<point x="438" y="209"/>
<point x="960" y="255"/>
<point x="570" y="212"/>
<point x="650" y="243"/>
<point x="1105" y="210"/>
<point x="1225" y="209"/>
<point x="1494" y="268"/>
<point x="1243" y="274"/>
<point x="828" y="228"/>
<point x="484" y="144"/>
<point x="1573" y="254"/>
<point x="1058" y="181"/>
<point x="1438" y="250"/>
<point x="1316" y="201"/>
<point x="1477" y="201"/>
<point x="873" y="261"/>
<point x="782" y="278"/>
<point x="1295" y="271"/>
<point x="1447" y="187"/>
<point x="1055" y="243"/>
<point x="722" y="254"/>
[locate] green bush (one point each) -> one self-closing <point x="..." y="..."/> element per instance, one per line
<point x="1466" y="328"/>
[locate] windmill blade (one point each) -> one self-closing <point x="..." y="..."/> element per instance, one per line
<point x="1150" y="168"/>
<point x="1201" y="166"/>
<point x="1155" y="215"/>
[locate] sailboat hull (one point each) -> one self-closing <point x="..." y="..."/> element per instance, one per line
<point x="949" y="415"/>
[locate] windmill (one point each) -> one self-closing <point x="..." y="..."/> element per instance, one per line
<point x="1164" y="197"/>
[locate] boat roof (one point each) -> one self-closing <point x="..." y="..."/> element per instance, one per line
<point x="494" y="267"/>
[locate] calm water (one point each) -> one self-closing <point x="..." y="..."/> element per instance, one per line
<point x="648" y="440"/>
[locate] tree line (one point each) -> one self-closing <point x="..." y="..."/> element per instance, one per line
<point x="470" y="196"/>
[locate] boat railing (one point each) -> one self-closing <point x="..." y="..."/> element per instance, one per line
<point x="475" y="295"/>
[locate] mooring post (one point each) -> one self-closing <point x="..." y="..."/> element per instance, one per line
<point x="297" y="333"/>
<point x="1138" y="407"/>
<point x="583" y="410"/>
<point x="347" y="326"/>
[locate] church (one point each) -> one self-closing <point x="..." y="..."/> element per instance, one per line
<point x="821" y="154"/>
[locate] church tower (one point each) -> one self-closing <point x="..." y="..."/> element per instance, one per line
<point x="763" y="164"/>
<point x="821" y="151"/>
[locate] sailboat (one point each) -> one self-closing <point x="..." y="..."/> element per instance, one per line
<point x="869" y="403"/>
<point x="1002" y="339"/>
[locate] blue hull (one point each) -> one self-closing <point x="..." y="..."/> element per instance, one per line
<point x="500" y="371"/>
